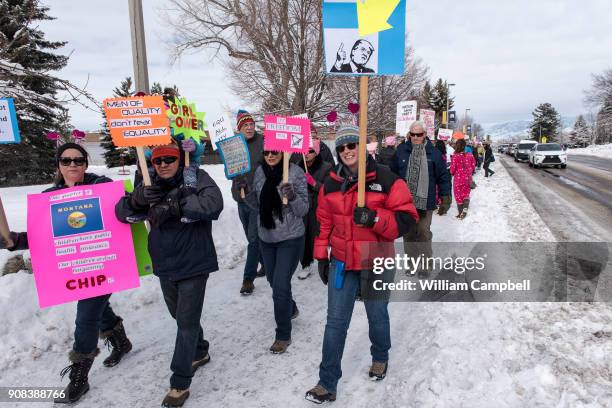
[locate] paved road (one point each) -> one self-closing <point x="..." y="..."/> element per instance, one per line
<point x="576" y="202"/>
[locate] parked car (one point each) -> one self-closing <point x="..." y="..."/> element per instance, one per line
<point x="548" y="154"/>
<point x="502" y="148"/>
<point x="521" y="153"/>
<point x="511" y="149"/>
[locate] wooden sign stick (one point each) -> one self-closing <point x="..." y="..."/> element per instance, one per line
<point x="186" y="159"/>
<point x="286" y="157"/>
<point x="144" y="170"/>
<point x="363" y="139"/>
<point x="305" y="164"/>
<point x="4" y="228"/>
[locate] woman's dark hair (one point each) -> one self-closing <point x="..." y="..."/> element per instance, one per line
<point x="58" y="180"/>
<point x="460" y="146"/>
<point x="441" y="146"/>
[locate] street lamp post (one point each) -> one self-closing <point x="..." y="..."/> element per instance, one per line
<point x="447" y="105"/>
<point x="466" y="120"/>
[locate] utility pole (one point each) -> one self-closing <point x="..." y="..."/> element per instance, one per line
<point x="141" y="72"/>
<point x="447" y="104"/>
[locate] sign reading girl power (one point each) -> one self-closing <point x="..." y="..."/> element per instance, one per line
<point x="79" y="249"/>
<point x="286" y="134"/>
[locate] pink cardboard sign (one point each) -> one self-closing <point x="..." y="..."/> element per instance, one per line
<point x="286" y="134"/>
<point x="78" y="247"/>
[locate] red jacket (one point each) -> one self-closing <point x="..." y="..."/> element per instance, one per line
<point x="386" y="193"/>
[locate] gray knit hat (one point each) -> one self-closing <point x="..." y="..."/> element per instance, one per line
<point x="346" y="135"/>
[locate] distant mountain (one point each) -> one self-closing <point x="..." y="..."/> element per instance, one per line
<point x="519" y="129"/>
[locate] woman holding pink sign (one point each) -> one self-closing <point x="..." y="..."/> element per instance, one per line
<point x="95" y="317"/>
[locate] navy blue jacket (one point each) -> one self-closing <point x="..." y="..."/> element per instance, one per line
<point x="182" y="250"/>
<point x="438" y="172"/>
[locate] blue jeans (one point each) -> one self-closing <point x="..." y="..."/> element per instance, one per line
<point x="340" y="303"/>
<point x="248" y="217"/>
<point x="93" y="316"/>
<point x="185" y="300"/>
<point x="281" y="260"/>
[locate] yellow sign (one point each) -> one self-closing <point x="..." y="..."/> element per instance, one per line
<point x="372" y="15"/>
<point x="544" y="139"/>
<point x="444" y="122"/>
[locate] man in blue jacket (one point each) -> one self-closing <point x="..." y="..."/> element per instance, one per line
<point x="180" y="204"/>
<point x="419" y="163"/>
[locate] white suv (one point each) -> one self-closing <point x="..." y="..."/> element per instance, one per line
<point x="548" y="154"/>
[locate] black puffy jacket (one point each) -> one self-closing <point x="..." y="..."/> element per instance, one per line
<point x="181" y="250"/>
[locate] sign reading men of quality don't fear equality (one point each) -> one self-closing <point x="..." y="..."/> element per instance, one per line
<point x="364" y="37"/>
<point x="137" y="121"/>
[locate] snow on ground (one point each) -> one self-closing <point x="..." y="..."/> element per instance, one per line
<point x="443" y="355"/>
<point x="604" y="151"/>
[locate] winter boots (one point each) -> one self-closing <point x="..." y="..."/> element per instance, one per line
<point x="261" y="272"/>
<point x="280" y="346"/>
<point x="319" y="395"/>
<point x="247" y="287"/>
<point x="77" y="372"/>
<point x="199" y="363"/>
<point x="175" y="398"/>
<point x="117" y="342"/>
<point x="378" y="371"/>
<point x="463" y="209"/>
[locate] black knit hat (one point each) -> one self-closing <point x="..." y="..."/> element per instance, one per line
<point x="71" y="145"/>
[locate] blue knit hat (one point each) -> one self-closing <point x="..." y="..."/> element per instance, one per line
<point x="346" y="135"/>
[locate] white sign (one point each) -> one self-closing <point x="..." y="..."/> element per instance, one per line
<point x="445" y="134"/>
<point x="221" y="129"/>
<point x="406" y="114"/>
<point x="9" y="132"/>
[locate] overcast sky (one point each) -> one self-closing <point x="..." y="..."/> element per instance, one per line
<point x="505" y="57"/>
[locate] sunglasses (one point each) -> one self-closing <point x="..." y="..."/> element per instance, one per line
<point x="417" y="134"/>
<point x="270" y="153"/>
<point x="311" y="152"/>
<point x="166" y="159"/>
<point x="78" y="161"/>
<point x="350" y="146"/>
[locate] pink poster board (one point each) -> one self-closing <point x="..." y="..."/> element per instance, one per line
<point x="428" y="117"/>
<point x="286" y="134"/>
<point x="78" y="247"/>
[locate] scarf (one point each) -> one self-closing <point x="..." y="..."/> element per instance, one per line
<point x="270" y="203"/>
<point x="347" y="176"/>
<point x="417" y="176"/>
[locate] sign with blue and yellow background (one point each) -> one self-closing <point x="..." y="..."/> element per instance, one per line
<point x="364" y="37"/>
<point x="76" y="217"/>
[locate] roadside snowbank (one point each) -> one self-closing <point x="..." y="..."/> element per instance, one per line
<point x="604" y="151"/>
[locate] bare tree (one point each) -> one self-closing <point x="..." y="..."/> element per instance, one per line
<point x="276" y="57"/>
<point x="275" y="48"/>
<point x="600" y="98"/>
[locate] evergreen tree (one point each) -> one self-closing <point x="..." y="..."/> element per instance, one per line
<point x="604" y="123"/>
<point x="116" y="156"/>
<point x="438" y="99"/>
<point x="546" y="122"/>
<point x="426" y="95"/>
<point x="38" y="111"/>
<point x="581" y="134"/>
<point x="157" y="89"/>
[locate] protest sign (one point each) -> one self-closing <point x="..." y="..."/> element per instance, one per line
<point x="286" y="134"/>
<point x="9" y="131"/>
<point x="78" y="247"/>
<point x="445" y="134"/>
<point x="221" y="129"/>
<point x="186" y="120"/>
<point x="235" y="155"/>
<point x="137" y="121"/>
<point x="140" y="238"/>
<point x="406" y="114"/>
<point x="428" y="117"/>
<point x="364" y="37"/>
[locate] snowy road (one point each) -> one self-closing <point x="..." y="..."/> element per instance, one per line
<point x="576" y="202"/>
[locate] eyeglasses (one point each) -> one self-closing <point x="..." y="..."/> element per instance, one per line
<point x="270" y="153"/>
<point x="78" y="161"/>
<point x="349" y="146"/>
<point x="417" y="134"/>
<point x="166" y="159"/>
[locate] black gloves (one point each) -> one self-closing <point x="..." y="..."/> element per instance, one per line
<point x="168" y="208"/>
<point x="190" y="176"/>
<point x="324" y="270"/>
<point x="287" y="191"/>
<point x="445" y="205"/>
<point x="364" y="216"/>
<point x="144" y="196"/>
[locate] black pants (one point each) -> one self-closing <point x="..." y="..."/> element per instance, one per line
<point x="487" y="170"/>
<point x="185" y="300"/>
<point x="93" y="316"/>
